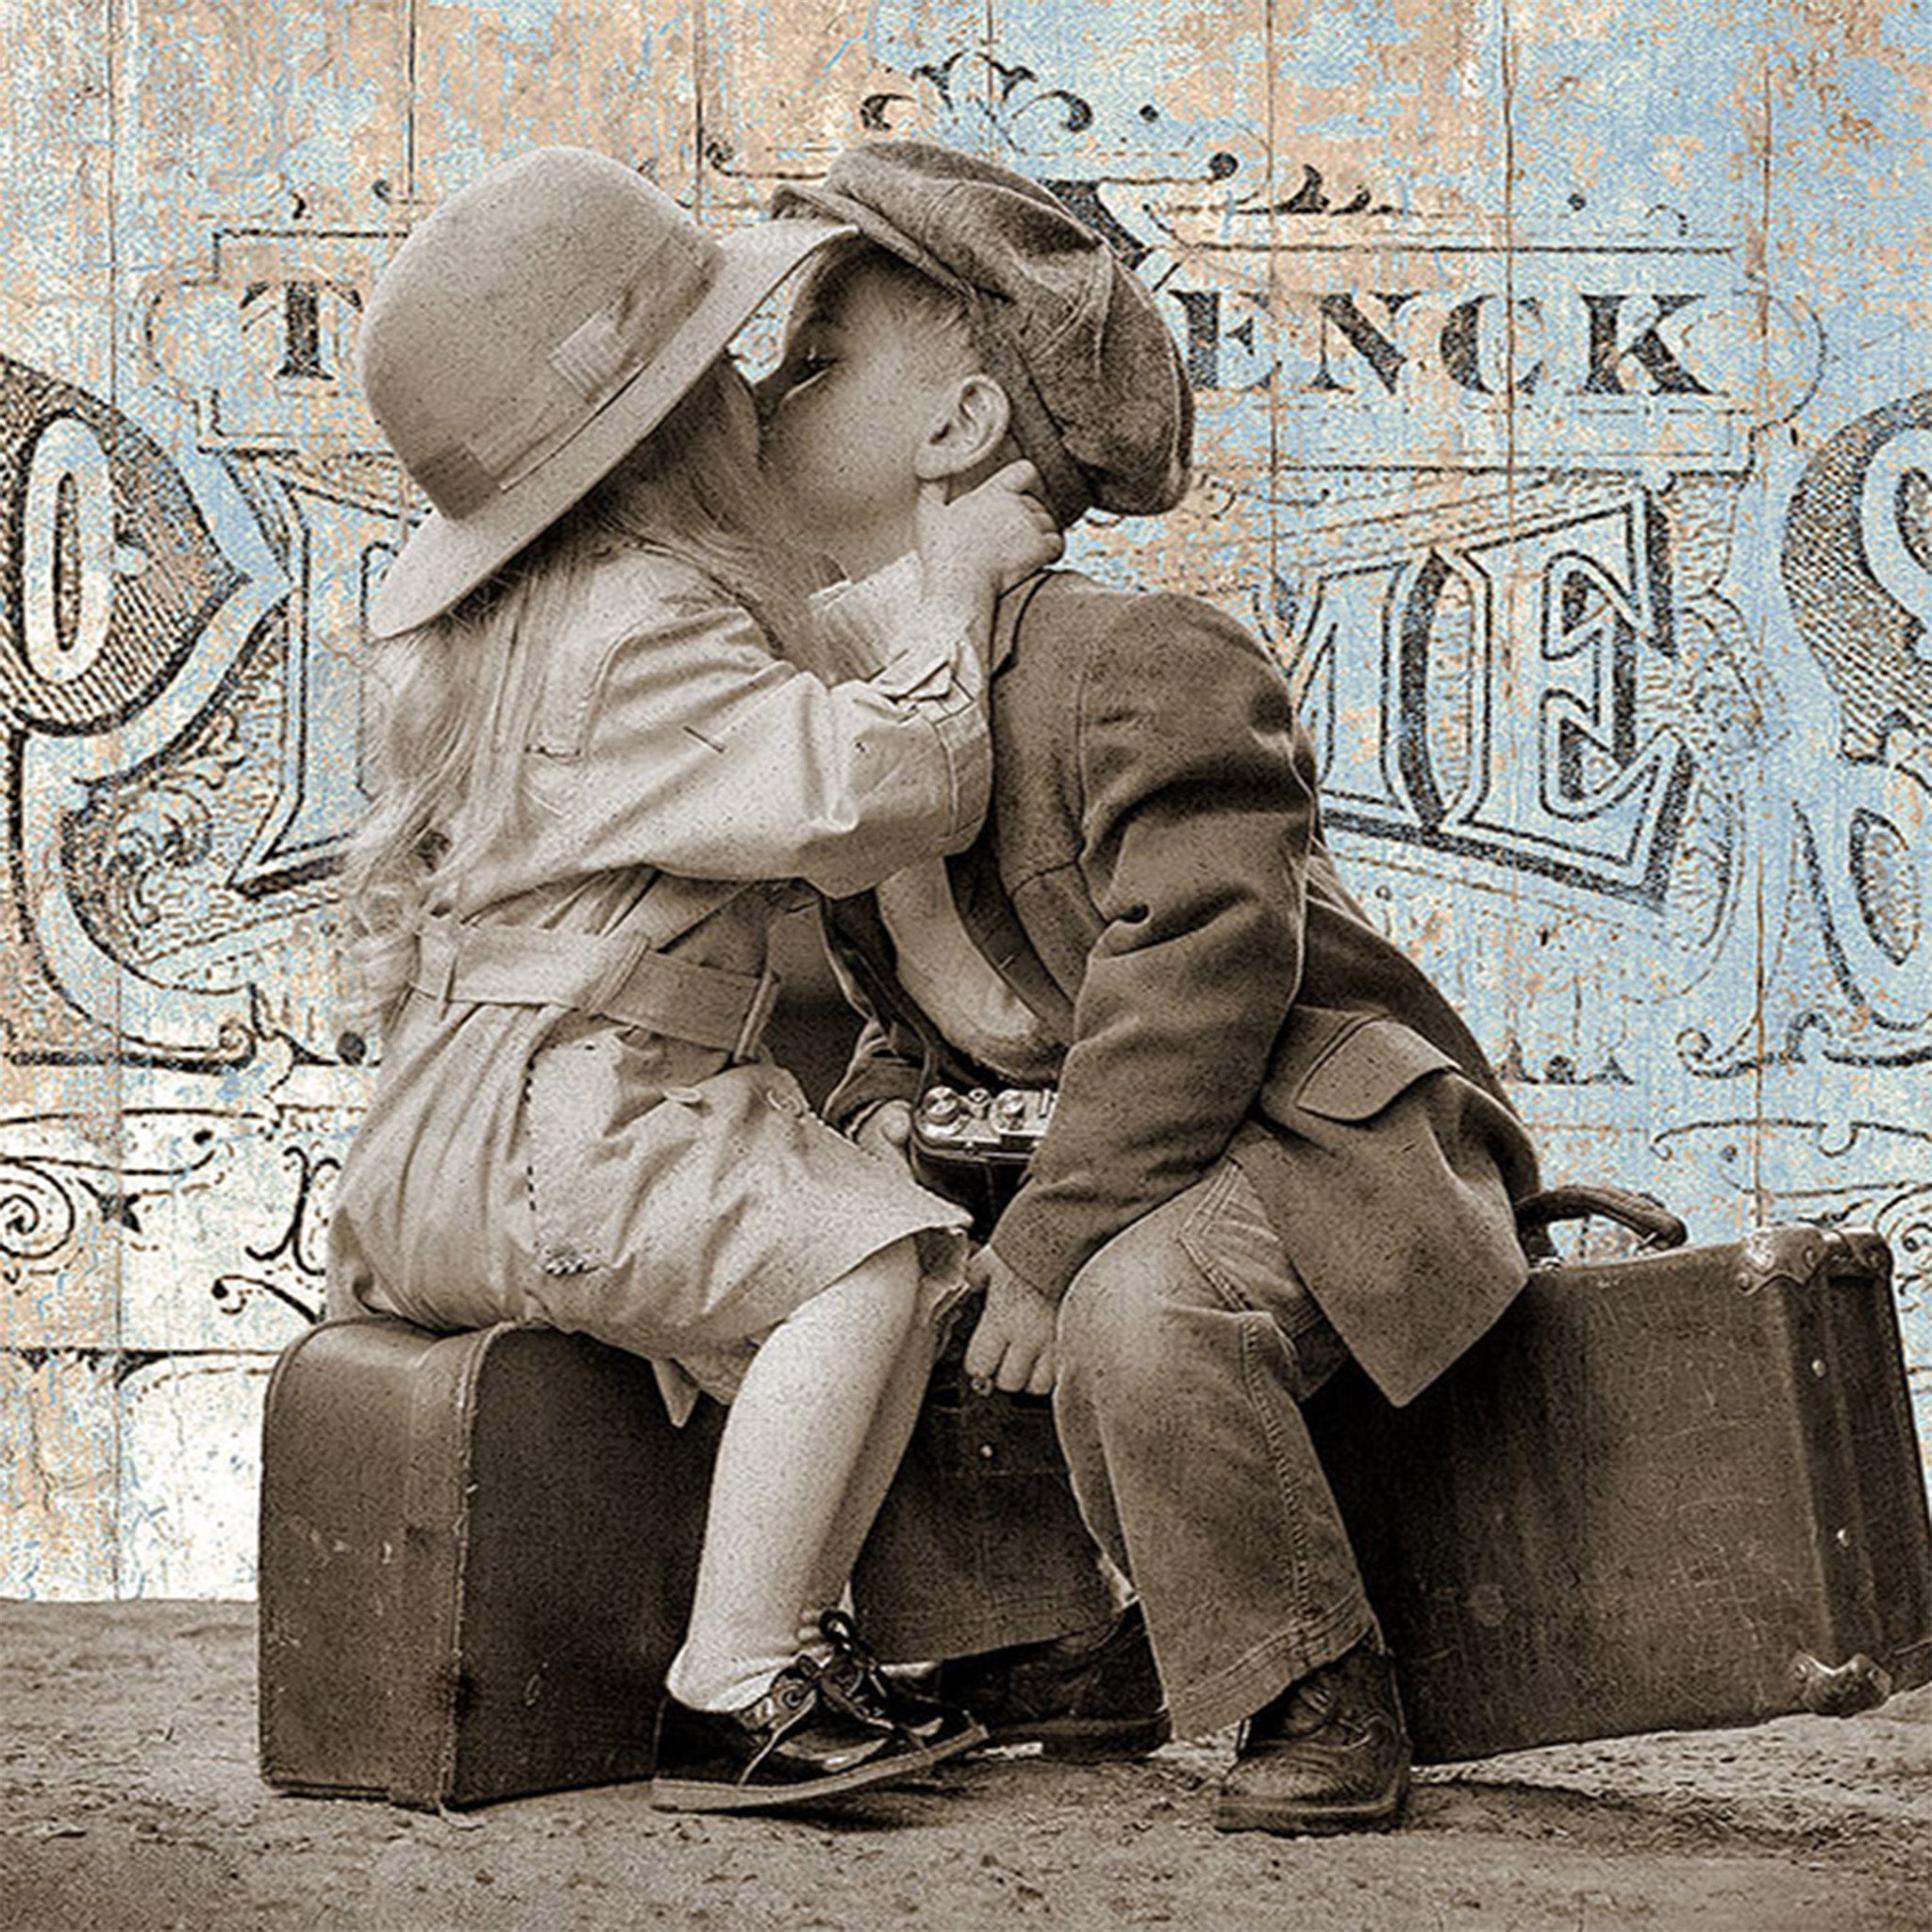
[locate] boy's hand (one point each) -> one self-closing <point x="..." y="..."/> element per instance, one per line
<point x="974" y="546"/>
<point x="886" y="1131"/>
<point x="1014" y="1345"/>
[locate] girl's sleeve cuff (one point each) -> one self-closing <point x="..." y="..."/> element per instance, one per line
<point x="872" y="629"/>
<point x="854" y="624"/>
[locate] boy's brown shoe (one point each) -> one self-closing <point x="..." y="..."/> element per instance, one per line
<point x="1330" y="1754"/>
<point x="1089" y="1696"/>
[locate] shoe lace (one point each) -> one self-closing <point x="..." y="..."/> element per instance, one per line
<point x="853" y="1672"/>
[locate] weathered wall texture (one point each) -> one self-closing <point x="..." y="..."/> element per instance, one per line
<point x="1565" y="382"/>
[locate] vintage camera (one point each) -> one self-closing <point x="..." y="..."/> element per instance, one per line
<point x="973" y="1147"/>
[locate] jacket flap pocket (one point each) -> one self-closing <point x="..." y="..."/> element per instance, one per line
<point x="566" y="708"/>
<point x="569" y="1094"/>
<point x="1366" y="1069"/>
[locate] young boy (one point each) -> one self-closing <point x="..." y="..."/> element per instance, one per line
<point x="1275" y="1144"/>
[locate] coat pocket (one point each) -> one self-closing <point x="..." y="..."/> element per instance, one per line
<point x="1359" y="1075"/>
<point x="567" y="1094"/>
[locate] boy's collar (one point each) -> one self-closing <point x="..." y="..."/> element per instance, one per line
<point x="1009" y="614"/>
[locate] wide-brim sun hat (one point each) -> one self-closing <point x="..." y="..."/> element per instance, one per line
<point x="528" y="336"/>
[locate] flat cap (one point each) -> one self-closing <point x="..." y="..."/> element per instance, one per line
<point x="1099" y="392"/>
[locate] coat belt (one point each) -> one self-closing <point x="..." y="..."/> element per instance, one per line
<point x="480" y="963"/>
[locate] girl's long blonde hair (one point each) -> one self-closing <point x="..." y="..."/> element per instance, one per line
<point x="447" y="705"/>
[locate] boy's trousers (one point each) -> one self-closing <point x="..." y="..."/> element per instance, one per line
<point x="1187" y="1346"/>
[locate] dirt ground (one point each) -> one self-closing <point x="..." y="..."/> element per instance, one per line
<point x="131" y="1800"/>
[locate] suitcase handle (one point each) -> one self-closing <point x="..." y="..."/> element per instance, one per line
<point x="1650" y="1220"/>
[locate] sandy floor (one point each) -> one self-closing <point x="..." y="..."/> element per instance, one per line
<point x="131" y="1799"/>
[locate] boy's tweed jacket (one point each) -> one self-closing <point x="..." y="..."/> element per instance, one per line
<point x="1152" y="881"/>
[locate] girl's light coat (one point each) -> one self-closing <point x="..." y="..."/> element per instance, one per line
<point x="533" y="1162"/>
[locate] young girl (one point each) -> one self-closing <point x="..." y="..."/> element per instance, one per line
<point x="593" y="780"/>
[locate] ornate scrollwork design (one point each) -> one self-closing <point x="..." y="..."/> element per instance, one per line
<point x="131" y="837"/>
<point x="50" y="1194"/>
<point x="38" y="1214"/>
<point x="232" y="1294"/>
<point x="1013" y="90"/>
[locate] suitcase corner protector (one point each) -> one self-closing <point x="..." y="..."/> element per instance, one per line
<point x="1839" y="1690"/>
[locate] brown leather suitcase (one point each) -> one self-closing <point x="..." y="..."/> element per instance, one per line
<point x="1671" y="1490"/>
<point x="476" y="1556"/>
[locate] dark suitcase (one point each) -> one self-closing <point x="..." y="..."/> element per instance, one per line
<point x="477" y="1557"/>
<point x="1671" y="1490"/>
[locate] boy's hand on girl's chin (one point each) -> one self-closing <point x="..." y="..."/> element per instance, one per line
<point x="1012" y="1347"/>
<point x="974" y="545"/>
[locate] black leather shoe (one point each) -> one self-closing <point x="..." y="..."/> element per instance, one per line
<point x="1079" y="1697"/>
<point x="791" y="1746"/>
<point x="1330" y="1754"/>
<point x="856" y="1682"/>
